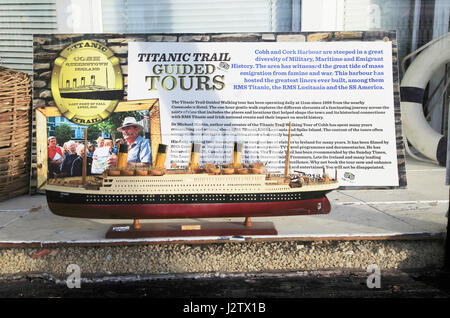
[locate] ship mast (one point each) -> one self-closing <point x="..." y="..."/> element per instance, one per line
<point x="84" y="171"/>
<point x="288" y="153"/>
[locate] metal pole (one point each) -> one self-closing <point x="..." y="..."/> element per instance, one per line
<point x="447" y="245"/>
<point x="447" y="182"/>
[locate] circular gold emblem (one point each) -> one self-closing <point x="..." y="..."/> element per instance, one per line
<point x="86" y="82"/>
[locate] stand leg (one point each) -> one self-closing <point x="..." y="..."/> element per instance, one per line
<point x="136" y="224"/>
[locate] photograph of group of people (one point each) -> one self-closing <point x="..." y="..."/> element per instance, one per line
<point x="67" y="160"/>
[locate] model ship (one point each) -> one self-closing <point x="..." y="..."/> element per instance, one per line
<point x="89" y="91"/>
<point x="230" y="190"/>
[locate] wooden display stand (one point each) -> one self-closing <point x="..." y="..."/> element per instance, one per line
<point x="186" y="229"/>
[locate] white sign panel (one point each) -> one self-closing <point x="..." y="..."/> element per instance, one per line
<point x="338" y="96"/>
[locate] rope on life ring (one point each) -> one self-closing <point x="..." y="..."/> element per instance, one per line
<point x="425" y="139"/>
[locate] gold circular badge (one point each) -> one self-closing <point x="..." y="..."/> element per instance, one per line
<point x="86" y="82"/>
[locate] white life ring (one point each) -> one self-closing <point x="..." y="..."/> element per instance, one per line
<point x="415" y="127"/>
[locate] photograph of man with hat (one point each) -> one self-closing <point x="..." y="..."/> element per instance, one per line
<point x="139" y="150"/>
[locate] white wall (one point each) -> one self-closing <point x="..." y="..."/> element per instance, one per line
<point x="322" y="15"/>
<point x="79" y="16"/>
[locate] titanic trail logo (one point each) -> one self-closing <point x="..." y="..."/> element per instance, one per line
<point x="86" y="82"/>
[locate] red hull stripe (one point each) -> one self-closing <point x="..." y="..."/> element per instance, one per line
<point x="176" y="211"/>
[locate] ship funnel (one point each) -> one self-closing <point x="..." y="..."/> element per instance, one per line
<point x="196" y="150"/>
<point x="288" y="153"/>
<point x="161" y="156"/>
<point x="237" y="155"/>
<point x="122" y="156"/>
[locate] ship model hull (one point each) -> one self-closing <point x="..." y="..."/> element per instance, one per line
<point x="167" y="206"/>
<point x="233" y="190"/>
